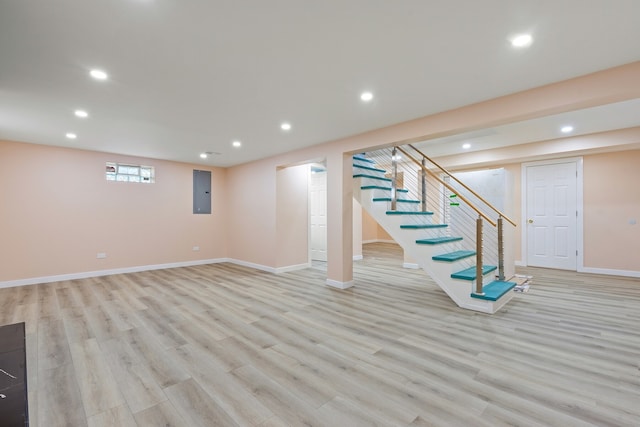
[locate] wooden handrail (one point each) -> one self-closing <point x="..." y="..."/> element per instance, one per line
<point x="449" y="187"/>
<point x="496" y="210"/>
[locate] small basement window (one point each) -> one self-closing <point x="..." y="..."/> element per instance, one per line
<point x="129" y="173"/>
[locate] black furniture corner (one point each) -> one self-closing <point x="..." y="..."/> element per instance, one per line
<point x="14" y="410"/>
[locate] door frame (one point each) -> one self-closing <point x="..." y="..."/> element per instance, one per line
<point x="579" y="207"/>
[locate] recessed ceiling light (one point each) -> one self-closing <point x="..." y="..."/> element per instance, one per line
<point x="522" y="40"/>
<point x="466" y="145"/>
<point x="366" y="96"/>
<point x="98" y="74"/>
<point x="71" y="135"/>
<point x="566" y="129"/>
<point x="285" y="126"/>
<point x="81" y="113"/>
<point x="236" y="144"/>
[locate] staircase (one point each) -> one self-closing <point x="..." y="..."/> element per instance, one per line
<point x="418" y="218"/>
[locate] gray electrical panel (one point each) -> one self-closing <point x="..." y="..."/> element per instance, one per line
<point x="201" y="192"/>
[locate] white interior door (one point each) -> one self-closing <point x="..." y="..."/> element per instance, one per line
<point x="318" y="213"/>
<point x="551" y="210"/>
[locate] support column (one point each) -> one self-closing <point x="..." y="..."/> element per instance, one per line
<point x="339" y="220"/>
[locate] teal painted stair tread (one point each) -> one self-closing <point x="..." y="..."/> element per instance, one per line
<point x="494" y="290"/>
<point x="377" y="187"/>
<point x="370" y="168"/>
<point x="362" y="175"/>
<point x="388" y="199"/>
<point x="438" y="240"/>
<point x="364" y="159"/>
<point x="423" y="226"/>
<point x="453" y="256"/>
<point x="470" y="273"/>
<point x="408" y="213"/>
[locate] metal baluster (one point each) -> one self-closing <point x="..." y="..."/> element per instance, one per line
<point x="479" y="280"/>
<point x="500" y="250"/>
<point x="394" y="179"/>
<point x="423" y="174"/>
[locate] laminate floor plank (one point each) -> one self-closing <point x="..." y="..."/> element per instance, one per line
<point x="196" y="407"/>
<point x="119" y="416"/>
<point x="223" y="344"/>
<point x="135" y="380"/>
<point x="98" y="388"/>
<point x="163" y="369"/>
<point x="284" y="403"/>
<point x="224" y="388"/>
<point x="163" y="414"/>
<point x="59" y="402"/>
<point x="53" y="346"/>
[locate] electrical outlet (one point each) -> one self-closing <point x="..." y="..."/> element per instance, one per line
<point x="196" y="248"/>
<point x="101" y="255"/>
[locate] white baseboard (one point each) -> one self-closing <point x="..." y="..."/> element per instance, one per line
<point x="339" y="285"/>
<point x="98" y="273"/>
<point x="357" y="257"/>
<point x="252" y="265"/>
<point x="610" y="272"/>
<point x="289" y="268"/>
<point x="594" y="270"/>
<point x="411" y="265"/>
<point x="364" y="242"/>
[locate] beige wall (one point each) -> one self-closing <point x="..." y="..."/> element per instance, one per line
<point x="372" y="231"/>
<point x="57" y="211"/>
<point x="292" y="207"/>
<point x="611" y="202"/>
<point x="357" y="229"/>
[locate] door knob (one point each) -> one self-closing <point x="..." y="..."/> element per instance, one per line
<point x="530" y="221"/>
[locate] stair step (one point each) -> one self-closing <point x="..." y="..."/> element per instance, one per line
<point x="364" y="159"/>
<point x="470" y="273"/>
<point x="370" y="168"/>
<point x="408" y="213"/>
<point x="388" y="199"/>
<point x="377" y="187"/>
<point x="423" y="226"/>
<point x="494" y="290"/>
<point x="362" y="175"/>
<point x="453" y="256"/>
<point x="438" y="240"/>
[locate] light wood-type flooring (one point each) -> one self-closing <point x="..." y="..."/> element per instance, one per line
<point x="224" y="345"/>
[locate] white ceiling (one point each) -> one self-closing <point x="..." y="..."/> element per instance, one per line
<point x="193" y="76"/>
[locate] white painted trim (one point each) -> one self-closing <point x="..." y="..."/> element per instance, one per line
<point x="357" y="257"/>
<point x="289" y="268"/>
<point x="364" y="242"/>
<point x="610" y="272"/>
<point x="411" y="265"/>
<point x="339" y="285"/>
<point x="520" y="263"/>
<point x="98" y="273"/>
<point x="253" y="265"/>
<point x="579" y="206"/>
